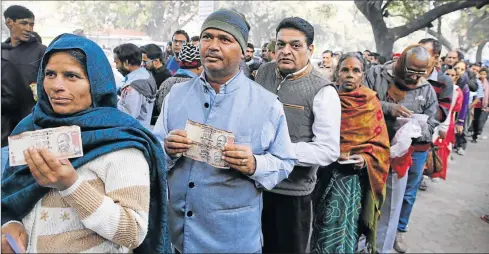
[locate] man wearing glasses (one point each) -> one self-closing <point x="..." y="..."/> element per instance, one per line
<point x="404" y="91"/>
<point x="179" y="38"/>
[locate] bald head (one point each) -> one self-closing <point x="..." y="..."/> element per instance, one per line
<point x="420" y="52"/>
<point x="412" y="65"/>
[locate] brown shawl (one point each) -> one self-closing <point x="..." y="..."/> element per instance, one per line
<point x="364" y="132"/>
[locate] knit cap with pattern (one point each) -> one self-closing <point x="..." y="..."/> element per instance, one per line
<point x="229" y="21"/>
<point x="189" y="57"/>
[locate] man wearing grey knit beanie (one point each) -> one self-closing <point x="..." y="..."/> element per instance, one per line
<point x="217" y="209"/>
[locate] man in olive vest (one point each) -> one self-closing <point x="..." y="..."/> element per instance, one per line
<point x="313" y="112"/>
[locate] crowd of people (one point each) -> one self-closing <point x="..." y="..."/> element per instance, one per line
<point x="311" y="168"/>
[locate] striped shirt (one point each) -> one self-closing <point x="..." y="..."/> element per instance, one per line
<point x="104" y="211"/>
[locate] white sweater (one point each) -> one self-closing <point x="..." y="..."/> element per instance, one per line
<point x="105" y="210"/>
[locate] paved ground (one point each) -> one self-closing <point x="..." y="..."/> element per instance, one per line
<point x="446" y="217"/>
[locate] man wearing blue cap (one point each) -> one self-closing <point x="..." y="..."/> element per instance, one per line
<point x="213" y="209"/>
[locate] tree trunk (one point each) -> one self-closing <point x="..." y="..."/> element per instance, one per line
<point x="384" y="41"/>
<point x="480" y="48"/>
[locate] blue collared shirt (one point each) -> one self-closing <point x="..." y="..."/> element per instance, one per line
<point x="224" y="205"/>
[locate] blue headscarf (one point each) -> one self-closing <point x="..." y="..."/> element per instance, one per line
<point x="104" y="129"/>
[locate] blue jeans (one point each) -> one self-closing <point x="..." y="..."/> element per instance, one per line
<point x="415" y="175"/>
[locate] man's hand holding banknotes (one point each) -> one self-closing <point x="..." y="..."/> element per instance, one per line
<point x="239" y="157"/>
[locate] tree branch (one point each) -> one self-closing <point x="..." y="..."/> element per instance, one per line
<point x="444" y="41"/>
<point x="386" y="5"/>
<point x="401" y="16"/>
<point x="425" y="19"/>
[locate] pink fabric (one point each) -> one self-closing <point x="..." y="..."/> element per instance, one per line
<point x="485" y="85"/>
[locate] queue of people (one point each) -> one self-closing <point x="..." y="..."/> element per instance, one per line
<point x="310" y="167"/>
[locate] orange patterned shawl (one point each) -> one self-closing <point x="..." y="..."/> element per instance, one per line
<point x="364" y="132"/>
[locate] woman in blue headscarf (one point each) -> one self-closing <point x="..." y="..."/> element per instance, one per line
<point x="113" y="199"/>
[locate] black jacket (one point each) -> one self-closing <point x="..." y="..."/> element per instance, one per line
<point x="160" y="75"/>
<point x="26" y="57"/>
<point x="17" y="100"/>
<point x="20" y="65"/>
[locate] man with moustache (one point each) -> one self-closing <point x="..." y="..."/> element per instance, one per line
<point x="313" y="111"/>
<point x="213" y="209"/>
<point x="403" y="91"/>
<point x="22" y="49"/>
<point x="179" y="38"/>
<point x="21" y="57"/>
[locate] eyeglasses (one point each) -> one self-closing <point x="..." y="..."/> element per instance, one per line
<point x="145" y="63"/>
<point x="411" y="72"/>
<point x="181" y="42"/>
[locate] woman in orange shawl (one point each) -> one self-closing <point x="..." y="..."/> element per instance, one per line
<point x="350" y="192"/>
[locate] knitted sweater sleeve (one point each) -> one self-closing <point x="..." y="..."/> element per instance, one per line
<point x="121" y="215"/>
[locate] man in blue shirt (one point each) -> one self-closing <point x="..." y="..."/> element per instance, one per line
<point x="213" y="209"/>
<point x="179" y="38"/>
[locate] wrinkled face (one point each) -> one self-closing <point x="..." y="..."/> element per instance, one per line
<point x="460" y="69"/>
<point x="433" y="56"/>
<point x="482" y="75"/>
<point x="122" y="67"/>
<point x="66" y="84"/>
<point x="350" y="74"/>
<point x="414" y="69"/>
<point x="327" y="59"/>
<point x="475" y="69"/>
<point x="292" y="50"/>
<point x="148" y="63"/>
<point x="249" y="54"/>
<point x="452" y="74"/>
<point x="178" y="41"/>
<point x="220" y="52"/>
<point x="21" y="29"/>
<point x="451" y="58"/>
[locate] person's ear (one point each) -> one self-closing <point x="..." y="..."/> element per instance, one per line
<point x="9" y="22"/>
<point x="310" y="48"/>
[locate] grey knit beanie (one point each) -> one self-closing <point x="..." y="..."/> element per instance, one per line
<point x="229" y="21"/>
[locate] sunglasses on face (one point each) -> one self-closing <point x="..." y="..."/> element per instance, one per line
<point x="147" y="62"/>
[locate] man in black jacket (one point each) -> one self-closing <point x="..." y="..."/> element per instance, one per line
<point x="21" y="57"/>
<point x="22" y="48"/>
<point x="153" y="61"/>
